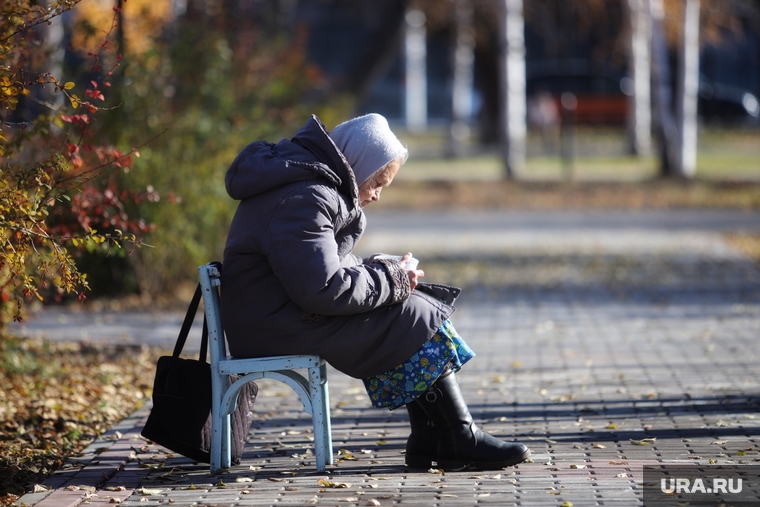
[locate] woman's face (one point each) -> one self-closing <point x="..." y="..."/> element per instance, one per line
<point x="369" y="191"/>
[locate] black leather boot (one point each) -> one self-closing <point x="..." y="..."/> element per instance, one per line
<point x="461" y="443"/>
<point x="422" y="445"/>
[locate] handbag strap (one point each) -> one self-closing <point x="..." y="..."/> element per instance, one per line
<point x="188" y="323"/>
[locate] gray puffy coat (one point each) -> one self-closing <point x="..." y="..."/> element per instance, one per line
<point x="290" y="283"/>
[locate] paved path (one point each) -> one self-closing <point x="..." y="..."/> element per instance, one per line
<point x="515" y="235"/>
<point x="479" y="232"/>
<point x="604" y="356"/>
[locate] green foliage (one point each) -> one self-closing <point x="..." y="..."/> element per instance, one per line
<point x="204" y="99"/>
<point x="17" y="359"/>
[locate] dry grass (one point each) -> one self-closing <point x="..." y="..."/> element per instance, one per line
<point x="57" y="398"/>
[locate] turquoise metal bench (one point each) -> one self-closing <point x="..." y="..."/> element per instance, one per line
<point x="311" y="388"/>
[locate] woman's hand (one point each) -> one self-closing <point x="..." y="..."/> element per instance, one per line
<point x="414" y="274"/>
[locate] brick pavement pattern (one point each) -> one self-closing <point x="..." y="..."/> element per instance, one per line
<point x="601" y="363"/>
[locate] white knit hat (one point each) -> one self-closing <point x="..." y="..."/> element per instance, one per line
<point x="368" y="144"/>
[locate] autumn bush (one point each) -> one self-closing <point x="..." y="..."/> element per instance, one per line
<point x="63" y="195"/>
<point x="60" y="186"/>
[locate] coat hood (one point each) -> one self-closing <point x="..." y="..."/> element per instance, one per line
<point x="310" y="154"/>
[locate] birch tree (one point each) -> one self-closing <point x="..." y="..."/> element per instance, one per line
<point x="640" y="117"/>
<point x="684" y="25"/>
<point x="416" y="71"/>
<point x="463" y="63"/>
<point x="513" y="110"/>
<point x="688" y="87"/>
<point x="665" y="123"/>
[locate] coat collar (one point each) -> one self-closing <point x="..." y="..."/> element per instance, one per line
<point x="314" y="137"/>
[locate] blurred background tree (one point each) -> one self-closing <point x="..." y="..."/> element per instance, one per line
<point x="613" y="62"/>
<point x="201" y="82"/>
<point x="200" y="79"/>
<point x="194" y="83"/>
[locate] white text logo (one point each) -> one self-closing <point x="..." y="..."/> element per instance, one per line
<point x="678" y="486"/>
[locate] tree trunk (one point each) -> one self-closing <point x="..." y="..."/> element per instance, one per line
<point x="688" y="88"/>
<point x="640" y="114"/>
<point x="666" y="128"/>
<point x="461" y="87"/>
<point x="513" y="116"/>
<point x="53" y="35"/>
<point x="416" y="78"/>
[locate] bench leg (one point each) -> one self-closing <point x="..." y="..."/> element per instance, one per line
<point x="226" y="441"/>
<point x="220" y="452"/>
<point x="320" y="417"/>
<point x="326" y="410"/>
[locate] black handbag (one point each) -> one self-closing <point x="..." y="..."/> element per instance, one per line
<point x="180" y="419"/>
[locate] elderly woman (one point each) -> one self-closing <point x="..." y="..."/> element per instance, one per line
<point x="291" y="285"/>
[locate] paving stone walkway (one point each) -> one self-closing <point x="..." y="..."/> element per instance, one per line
<point x="602" y="361"/>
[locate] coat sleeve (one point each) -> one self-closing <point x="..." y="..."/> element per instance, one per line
<point x="303" y="253"/>
<point x="351" y="260"/>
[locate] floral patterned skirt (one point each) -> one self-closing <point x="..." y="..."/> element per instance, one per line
<point x="411" y="379"/>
